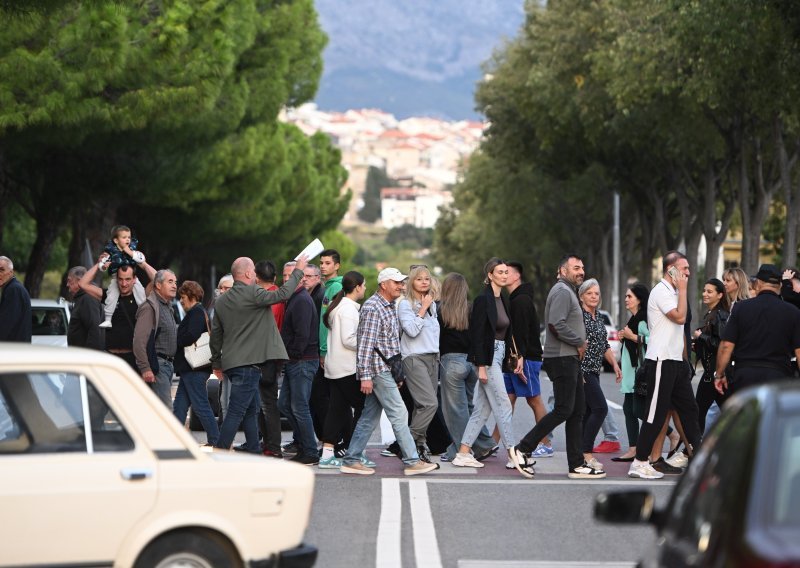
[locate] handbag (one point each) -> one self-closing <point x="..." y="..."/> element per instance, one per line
<point x="512" y="359"/>
<point x="640" y="378"/>
<point x="395" y="364"/>
<point x="198" y="354"/>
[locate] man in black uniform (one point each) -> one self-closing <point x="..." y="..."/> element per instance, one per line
<point x="761" y="335"/>
<point x="119" y="337"/>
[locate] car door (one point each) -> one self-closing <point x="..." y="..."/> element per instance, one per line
<point x="707" y="510"/>
<point x="72" y="480"/>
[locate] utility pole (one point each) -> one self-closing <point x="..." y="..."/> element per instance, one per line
<point x="615" y="305"/>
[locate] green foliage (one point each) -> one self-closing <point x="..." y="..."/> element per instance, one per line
<point x="376" y="181"/>
<point x="163" y="116"/>
<point x="409" y="236"/>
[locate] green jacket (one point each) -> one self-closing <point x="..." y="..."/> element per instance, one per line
<point x="243" y="331"/>
<point x="332" y="287"/>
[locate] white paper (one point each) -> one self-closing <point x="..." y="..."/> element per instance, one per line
<point x="313" y="249"/>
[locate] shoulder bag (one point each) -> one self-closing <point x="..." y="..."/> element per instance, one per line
<point x="395" y="364"/>
<point x="198" y="354"/>
<point x="640" y="378"/>
<point x="512" y="358"/>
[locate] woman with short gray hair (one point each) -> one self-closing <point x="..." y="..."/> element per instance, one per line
<point x="597" y="349"/>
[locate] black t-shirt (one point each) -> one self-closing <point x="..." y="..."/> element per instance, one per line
<point x="451" y="340"/>
<point x="120" y="335"/>
<point x="765" y="331"/>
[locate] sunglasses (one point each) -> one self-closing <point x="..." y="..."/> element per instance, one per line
<point x="414" y="266"/>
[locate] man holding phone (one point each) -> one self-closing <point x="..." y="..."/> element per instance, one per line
<point x="668" y="375"/>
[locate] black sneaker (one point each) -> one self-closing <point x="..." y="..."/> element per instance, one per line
<point x="393" y="449"/>
<point x="424" y="454"/>
<point x="305" y="460"/>
<point x="586" y="471"/>
<point x="290" y="449"/>
<point x="340" y="453"/>
<point x="488" y="453"/>
<point x="243" y="448"/>
<point x="665" y="468"/>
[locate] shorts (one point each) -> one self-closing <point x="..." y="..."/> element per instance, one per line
<point x="515" y="386"/>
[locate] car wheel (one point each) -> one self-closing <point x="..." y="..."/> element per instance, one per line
<point x="189" y="549"/>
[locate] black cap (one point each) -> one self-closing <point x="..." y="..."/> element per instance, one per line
<point x="769" y="273"/>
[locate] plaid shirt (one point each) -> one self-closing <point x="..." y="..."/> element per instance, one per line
<point x="378" y="326"/>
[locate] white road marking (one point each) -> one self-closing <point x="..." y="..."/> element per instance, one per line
<point x="614" y="405"/>
<point x="426" y="548"/>
<point x="619" y="482"/>
<point x="387" y="553"/>
<point x="540" y="564"/>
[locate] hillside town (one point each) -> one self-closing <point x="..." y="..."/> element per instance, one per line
<point x="424" y="155"/>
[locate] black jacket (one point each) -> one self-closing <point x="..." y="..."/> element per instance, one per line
<point x="526" y="322"/>
<point x="300" y="330"/>
<point x="190" y="329"/>
<point x="84" y="322"/>
<point x="482" y="323"/>
<point x="16" y="323"/>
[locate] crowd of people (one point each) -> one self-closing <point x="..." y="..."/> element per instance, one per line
<point x="437" y="365"/>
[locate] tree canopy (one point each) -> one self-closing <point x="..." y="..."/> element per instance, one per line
<point x="163" y="116"/>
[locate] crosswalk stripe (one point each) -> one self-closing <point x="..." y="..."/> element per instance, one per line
<point x="387" y="554"/>
<point x="426" y="548"/>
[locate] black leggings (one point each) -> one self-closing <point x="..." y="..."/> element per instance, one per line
<point x="705" y="396"/>
<point x="596" y="410"/>
<point x="346" y="404"/>
<point x="632" y="417"/>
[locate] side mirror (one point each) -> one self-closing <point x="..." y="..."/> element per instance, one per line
<point x="625" y="507"/>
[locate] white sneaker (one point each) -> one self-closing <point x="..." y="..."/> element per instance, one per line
<point x="586" y="471"/>
<point x="678" y="459"/>
<point x="510" y="465"/>
<point x="594" y="464"/>
<point x="521" y="462"/>
<point x="643" y="470"/>
<point x="466" y="460"/>
<point x="106" y="323"/>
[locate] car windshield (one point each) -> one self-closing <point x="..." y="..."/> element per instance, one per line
<point x="786" y="509"/>
<point x="49" y="321"/>
<point x="605" y="319"/>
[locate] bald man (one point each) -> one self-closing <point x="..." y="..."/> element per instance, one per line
<point x="243" y="336"/>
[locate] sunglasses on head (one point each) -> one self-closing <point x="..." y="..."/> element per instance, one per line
<point x="414" y="266"/>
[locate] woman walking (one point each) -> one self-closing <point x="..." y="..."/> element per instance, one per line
<point x="490" y="335"/>
<point x="457" y="376"/>
<point x="192" y="385"/>
<point x="737" y="286"/>
<point x="346" y="400"/>
<point x="419" y="346"/>
<point x="632" y="341"/>
<point x="706" y="342"/>
<point x="597" y="349"/>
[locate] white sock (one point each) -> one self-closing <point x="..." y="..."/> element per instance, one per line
<point x="640" y="462"/>
<point x="327" y="452"/>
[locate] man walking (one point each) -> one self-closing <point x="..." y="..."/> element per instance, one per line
<point x="155" y="336"/>
<point x="243" y="336"/>
<point x="119" y="337"/>
<point x="15" y="306"/>
<point x="379" y="339"/>
<point x="564" y="346"/>
<point x="300" y="337"/>
<point x="762" y="334"/>
<point x="668" y="375"/>
<point x="86" y="316"/>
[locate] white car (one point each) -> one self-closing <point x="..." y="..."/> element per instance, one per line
<point x="613" y="337"/>
<point x="94" y="470"/>
<point x="50" y="322"/>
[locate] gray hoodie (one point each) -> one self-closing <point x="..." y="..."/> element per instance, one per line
<point x="564" y="331"/>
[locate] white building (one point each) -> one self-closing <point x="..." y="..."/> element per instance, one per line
<point x="412" y="206"/>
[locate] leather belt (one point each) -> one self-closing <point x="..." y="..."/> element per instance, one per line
<point x="120" y="351"/>
<point x="166" y="357"/>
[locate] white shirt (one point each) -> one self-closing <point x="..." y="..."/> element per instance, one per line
<point x="666" y="336"/>
<point x="340" y="360"/>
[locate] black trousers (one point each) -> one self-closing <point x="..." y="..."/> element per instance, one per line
<point x="568" y="407"/>
<point x="269" y="418"/>
<point x="346" y="404"/>
<point x="705" y="396"/>
<point x="629" y="407"/>
<point x="319" y="402"/>
<point x="670" y="387"/>
<point x="744" y="377"/>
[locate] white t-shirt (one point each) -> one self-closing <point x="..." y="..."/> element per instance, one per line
<point x="666" y="337"/>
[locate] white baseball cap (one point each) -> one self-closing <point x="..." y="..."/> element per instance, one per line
<point x="391" y="274"/>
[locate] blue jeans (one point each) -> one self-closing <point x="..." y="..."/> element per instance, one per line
<point x="242" y="408"/>
<point x="192" y="392"/>
<point x="610" y="428"/>
<point x="294" y="401"/>
<point x="162" y="387"/>
<point x="457" y="380"/>
<point x="491" y="398"/>
<point x="386" y="396"/>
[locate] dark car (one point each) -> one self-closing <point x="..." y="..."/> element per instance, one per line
<point x="738" y="504"/>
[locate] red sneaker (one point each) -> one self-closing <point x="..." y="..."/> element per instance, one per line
<point x="606" y="447"/>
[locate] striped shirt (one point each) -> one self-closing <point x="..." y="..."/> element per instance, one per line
<point x="378" y="326"/>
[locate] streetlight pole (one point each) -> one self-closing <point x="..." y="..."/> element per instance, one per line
<point x="615" y="305"/>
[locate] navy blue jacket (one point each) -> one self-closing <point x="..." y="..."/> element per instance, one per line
<point x="16" y="323"/>
<point x="190" y="329"/>
<point x="300" y="330"/>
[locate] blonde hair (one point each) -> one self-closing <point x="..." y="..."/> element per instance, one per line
<point x="411" y="294"/>
<point x="455" y="302"/>
<point x="740" y="277"/>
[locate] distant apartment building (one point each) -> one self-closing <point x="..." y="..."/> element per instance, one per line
<point x="412" y="206"/>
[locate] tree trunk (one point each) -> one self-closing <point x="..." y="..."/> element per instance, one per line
<point x="791" y="194"/>
<point x="754" y="202"/>
<point x="713" y="193"/>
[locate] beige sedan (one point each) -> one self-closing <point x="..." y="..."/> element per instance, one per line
<point x="94" y="470"/>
